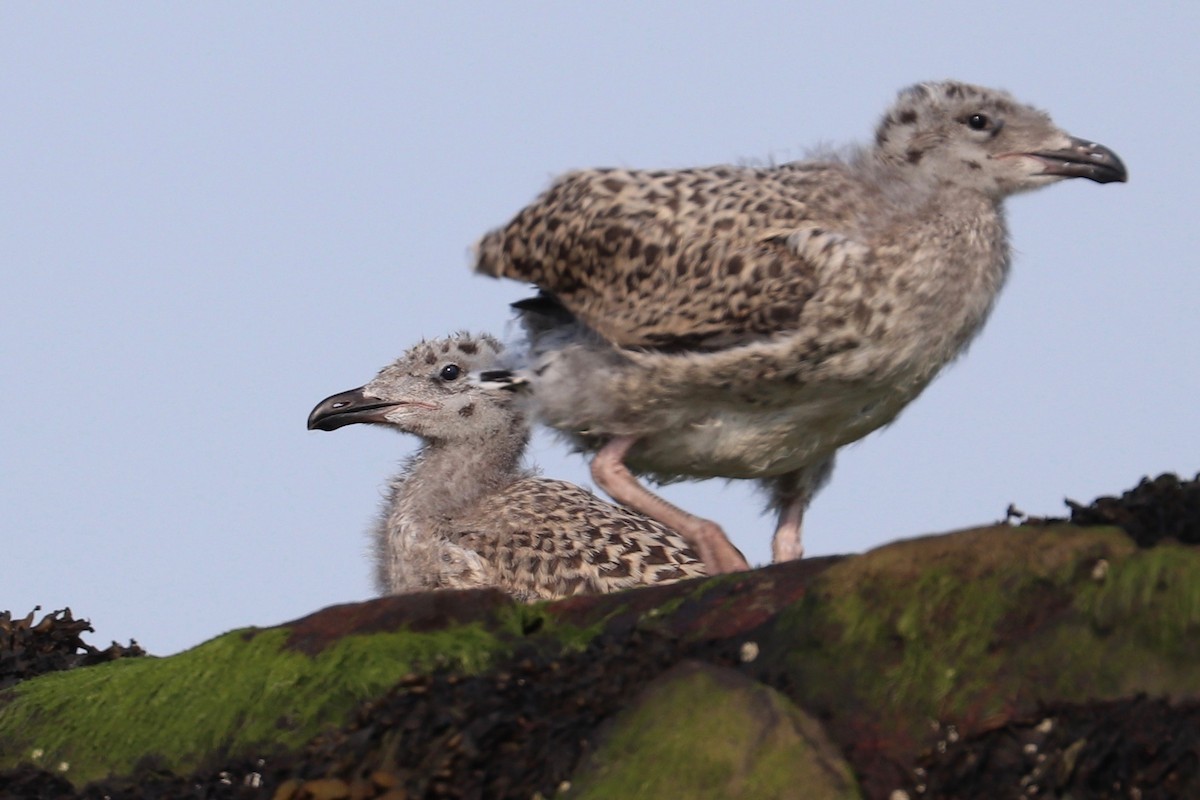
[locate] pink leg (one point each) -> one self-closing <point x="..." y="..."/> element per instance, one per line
<point x="791" y="493"/>
<point x="712" y="545"/>
<point x="787" y="544"/>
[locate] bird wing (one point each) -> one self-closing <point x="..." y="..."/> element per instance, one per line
<point x="683" y="259"/>
<point x="549" y="539"/>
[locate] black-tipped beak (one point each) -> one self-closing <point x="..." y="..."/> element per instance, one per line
<point x="1083" y="159"/>
<point x="347" y="408"/>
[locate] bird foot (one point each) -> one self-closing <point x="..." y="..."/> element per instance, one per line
<point x="715" y="550"/>
<point x="786" y="551"/>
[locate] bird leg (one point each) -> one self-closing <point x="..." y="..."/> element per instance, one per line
<point x="787" y="544"/>
<point x="791" y="493"/>
<point x="712" y="545"/>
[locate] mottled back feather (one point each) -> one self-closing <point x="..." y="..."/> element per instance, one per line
<point x="689" y="258"/>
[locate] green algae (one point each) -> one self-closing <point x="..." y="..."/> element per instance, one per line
<point x="1153" y="598"/>
<point x="706" y="733"/>
<point x="966" y="626"/>
<point x="911" y="628"/>
<point x="972" y="625"/>
<point x="241" y="692"/>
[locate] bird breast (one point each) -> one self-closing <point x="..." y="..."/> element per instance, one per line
<point x="740" y="442"/>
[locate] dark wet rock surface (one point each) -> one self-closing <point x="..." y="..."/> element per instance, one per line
<point x="511" y="732"/>
<point x="53" y="643"/>
<point x="1131" y="748"/>
<point x="1156" y="510"/>
<point x="446" y="735"/>
<point x="522" y="727"/>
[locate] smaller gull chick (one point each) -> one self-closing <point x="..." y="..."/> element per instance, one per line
<point x="464" y="513"/>
<point x="747" y="322"/>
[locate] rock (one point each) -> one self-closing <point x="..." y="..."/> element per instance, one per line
<point x="701" y="731"/>
<point x="468" y="694"/>
<point x="1133" y="747"/>
<point x="246" y="691"/>
<point x="1154" y="511"/>
<point x="55" y="643"/>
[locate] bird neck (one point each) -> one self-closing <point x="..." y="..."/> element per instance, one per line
<point x="952" y="259"/>
<point x="445" y="478"/>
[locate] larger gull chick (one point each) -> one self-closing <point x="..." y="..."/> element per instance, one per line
<point x="746" y="322"/>
<point x="465" y="513"/>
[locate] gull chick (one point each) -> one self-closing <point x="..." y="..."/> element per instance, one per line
<point x="746" y="322"/>
<point x="464" y="513"/>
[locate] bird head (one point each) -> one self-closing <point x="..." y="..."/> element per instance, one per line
<point x="982" y="139"/>
<point x="428" y="391"/>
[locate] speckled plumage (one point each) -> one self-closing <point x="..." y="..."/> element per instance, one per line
<point x="746" y="322"/>
<point x="464" y="513"/>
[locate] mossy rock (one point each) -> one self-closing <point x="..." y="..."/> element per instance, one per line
<point x="709" y="733"/>
<point x="887" y="649"/>
<point x="973" y="628"/>
<point x="248" y="690"/>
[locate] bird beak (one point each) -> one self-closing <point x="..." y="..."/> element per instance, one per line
<point x="1083" y="159"/>
<point x="347" y="408"/>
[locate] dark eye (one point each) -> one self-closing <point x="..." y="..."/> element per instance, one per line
<point x="978" y="122"/>
<point x="450" y="372"/>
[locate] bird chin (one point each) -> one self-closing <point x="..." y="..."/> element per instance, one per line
<point x="332" y="422"/>
<point x="1059" y="169"/>
<point x="1030" y="182"/>
<point x="1083" y="159"/>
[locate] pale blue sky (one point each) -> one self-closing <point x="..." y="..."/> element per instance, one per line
<point x="214" y="215"/>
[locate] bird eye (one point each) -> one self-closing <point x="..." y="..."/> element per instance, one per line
<point x="978" y="122"/>
<point x="450" y="372"/>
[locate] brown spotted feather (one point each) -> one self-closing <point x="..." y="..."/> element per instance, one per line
<point x="549" y="539"/>
<point x="662" y="258"/>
